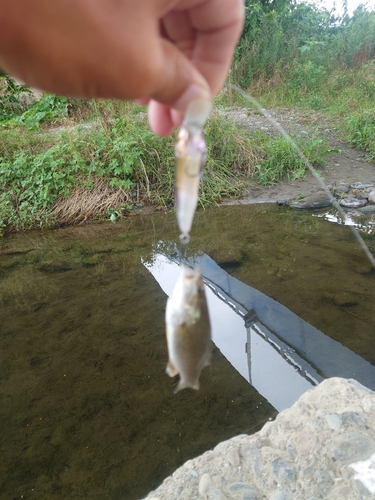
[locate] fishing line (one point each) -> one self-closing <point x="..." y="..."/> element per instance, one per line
<point x="314" y="172"/>
<point x="269" y="419"/>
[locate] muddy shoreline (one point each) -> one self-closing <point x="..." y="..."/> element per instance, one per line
<point x="348" y="165"/>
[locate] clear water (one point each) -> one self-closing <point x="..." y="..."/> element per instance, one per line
<point x="86" y="409"/>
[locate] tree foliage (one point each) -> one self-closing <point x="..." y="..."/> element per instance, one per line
<point x="281" y="35"/>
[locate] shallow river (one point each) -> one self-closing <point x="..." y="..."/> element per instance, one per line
<point x="86" y="409"/>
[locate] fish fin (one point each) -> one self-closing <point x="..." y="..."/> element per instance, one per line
<point x="186" y="385"/>
<point x="208" y="359"/>
<point x="171" y="370"/>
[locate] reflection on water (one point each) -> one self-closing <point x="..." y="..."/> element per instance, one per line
<point x="365" y="223"/>
<point x="243" y="343"/>
<point x="87" y="407"/>
<point x="284" y="355"/>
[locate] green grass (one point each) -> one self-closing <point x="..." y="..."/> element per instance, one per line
<point x="361" y="131"/>
<point x="59" y="152"/>
<point x="279" y="159"/>
<point x="38" y="170"/>
<point x="311" y="61"/>
<point x="344" y="96"/>
<point x="105" y="160"/>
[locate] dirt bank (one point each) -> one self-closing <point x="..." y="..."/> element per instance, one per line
<point x="349" y="165"/>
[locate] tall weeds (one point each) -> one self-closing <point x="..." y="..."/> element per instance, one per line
<point x="303" y="43"/>
<point x="113" y="162"/>
<point x="298" y="55"/>
<point x="64" y="161"/>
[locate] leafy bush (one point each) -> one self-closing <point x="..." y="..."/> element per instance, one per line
<point x="47" y="108"/>
<point x="300" y="43"/>
<point x="308" y="77"/>
<point x="116" y="152"/>
<point x="11" y="102"/>
<point x="32" y="183"/>
<point x="18" y="105"/>
<point x="359" y="32"/>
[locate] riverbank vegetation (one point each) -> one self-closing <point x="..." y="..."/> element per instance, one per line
<point x="297" y="55"/>
<point x="66" y="161"/>
<point x="100" y="160"/>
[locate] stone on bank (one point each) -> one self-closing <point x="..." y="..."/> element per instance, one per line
<point x="323" y="447"/>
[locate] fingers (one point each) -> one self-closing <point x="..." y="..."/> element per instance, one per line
<point x="143" y="101"/>
<point x="196" y="56"/>
<point x="207" y="32"/>
<point x="218" y="24"/>
<point x="91" y="48"/>
<point x="82" y="48"/>
<point x="180" y="84"/>
<point x="178" y="29"/>
<point x="178" y="80"/>
<point x="163" y="119"/>
<point x="159" y="117"/>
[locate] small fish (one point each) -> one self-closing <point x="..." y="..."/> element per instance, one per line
<point x="188" y="329"/>
<point x="190" y="159"/>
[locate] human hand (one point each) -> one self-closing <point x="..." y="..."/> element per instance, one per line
<point x="163" y="52"/>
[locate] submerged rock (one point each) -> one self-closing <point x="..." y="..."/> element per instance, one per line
<point x="57" y="267"/>
<point x="320" y="199"/>
<point x="353" y="202"/>
<point x="368" y="209"/>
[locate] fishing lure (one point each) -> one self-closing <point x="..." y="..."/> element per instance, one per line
<point x="190" y="159"/>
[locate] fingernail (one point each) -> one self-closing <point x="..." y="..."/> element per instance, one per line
<point x="197" y="112"/>
<point x="177" y="117"/>
<point x="192" y="93"/>
<point x="142" y="101"/>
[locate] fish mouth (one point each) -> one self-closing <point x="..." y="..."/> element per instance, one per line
<point x="194" y="277"/>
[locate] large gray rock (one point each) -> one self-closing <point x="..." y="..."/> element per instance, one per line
<point x="351" y="202"/>
<point x="371" y="196"/>
<point x="368" y="209"/>
<point x="320" y="199"/>
<point x="323" y="447"/>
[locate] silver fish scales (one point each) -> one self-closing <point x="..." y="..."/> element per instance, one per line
<point x="188" y="329"/>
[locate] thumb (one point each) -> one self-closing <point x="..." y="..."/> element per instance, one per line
<point x="179" y="80"/>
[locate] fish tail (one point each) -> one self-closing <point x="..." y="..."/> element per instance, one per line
<point x="183" y="384"/>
